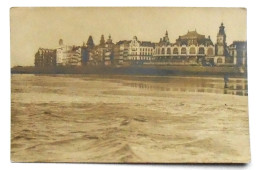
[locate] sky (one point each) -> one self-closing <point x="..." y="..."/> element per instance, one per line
<point x="32" y="28"/>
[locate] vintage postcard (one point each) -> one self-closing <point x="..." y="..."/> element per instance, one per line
<point x="129" y="85"/>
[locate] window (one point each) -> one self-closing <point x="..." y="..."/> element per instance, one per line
<point x="163" y="51"/>
<point x="168" y="51"/>
<point x="175" y="51"/>
<point x="244" y="53"/>
<point x="159" y="51"/>
<point x="201" y="50"/>
<point x="219" y="60"/>
<point x="234" y="53"/>
<point x="183" y="50"/>
<point x="192" y="50"/>
<point x="210" y="51"/>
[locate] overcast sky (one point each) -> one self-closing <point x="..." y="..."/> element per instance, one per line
<point x="32" y="28"/>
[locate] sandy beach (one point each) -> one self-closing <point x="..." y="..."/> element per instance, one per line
<point x="69" y="118"/>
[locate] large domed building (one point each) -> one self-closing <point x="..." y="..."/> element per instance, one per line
<point x="191" y="48"/>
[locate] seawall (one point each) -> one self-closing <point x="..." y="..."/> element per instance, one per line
<point x="135" y="70"/>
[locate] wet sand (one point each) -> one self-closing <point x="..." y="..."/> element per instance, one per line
<point x="108" y="119"/>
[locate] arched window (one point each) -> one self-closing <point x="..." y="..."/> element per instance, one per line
<point x="168" y="51"/>
<point x="175" y="51"/>
<point x="201" y="50"/>
<point x="183" y="50"/>
<point x="192" y="50"/>
<point x="210" y="51"/>
<point x="163" y="51"/>
<point x="219" y="60"/>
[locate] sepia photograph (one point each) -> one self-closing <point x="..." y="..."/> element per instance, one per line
<point x="129" y="85"/>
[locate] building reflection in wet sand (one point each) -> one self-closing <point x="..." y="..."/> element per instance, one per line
<point x="235" y="87"/>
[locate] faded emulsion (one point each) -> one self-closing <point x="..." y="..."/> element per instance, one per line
<point x="118" y="91"/>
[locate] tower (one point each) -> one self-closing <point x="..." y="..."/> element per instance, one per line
<point x="221" y="47"/>
<point x="109" y="40"/>
<point x="166" y="38"/>
<point x="221" y="41"/>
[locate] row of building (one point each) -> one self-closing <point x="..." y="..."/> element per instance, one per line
<point x="189" y="49"/>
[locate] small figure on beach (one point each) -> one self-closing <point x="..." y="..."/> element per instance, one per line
<point x="226" y="79"/>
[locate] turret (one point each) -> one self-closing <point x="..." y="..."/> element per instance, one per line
<point x="221" y="37"/>
<point x="61" y="42"/>
<point x="102" y="41"/>
<point x="90" y="43"/>
<point x="109" y="40"/>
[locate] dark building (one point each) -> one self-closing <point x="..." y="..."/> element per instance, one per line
<point x="87" y="51"/>
<point x="238" y="52"/>
<point x="84" y="54"/>
<point x="45" y="58"/>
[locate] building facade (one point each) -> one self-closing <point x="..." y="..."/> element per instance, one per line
<point x="121" y="52"/>
<point x="191" y="48"/>
<point x="238" y="52"/>
<point x="45" y="58"/>
<point x="74" y="56"/>
<point x="103" y="54"/>
<point x="109" y="51"/>
<point x="68" y="55"/>
<point x="140" y="51"/>
<point x="62" y="54"/>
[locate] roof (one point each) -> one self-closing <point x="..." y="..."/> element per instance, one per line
<point x="123" y="41"/>
<point x="74" y="48"/>
<point x="47" y="49"/>
<point x="194" y="37"/>
<point x="239" y="44"/>
<point x="205" y="41"/>
<point x="147" y="44"/>
<point x="192" y="34"/>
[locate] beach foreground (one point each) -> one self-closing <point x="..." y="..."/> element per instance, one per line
<point x="69" y="118"/>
